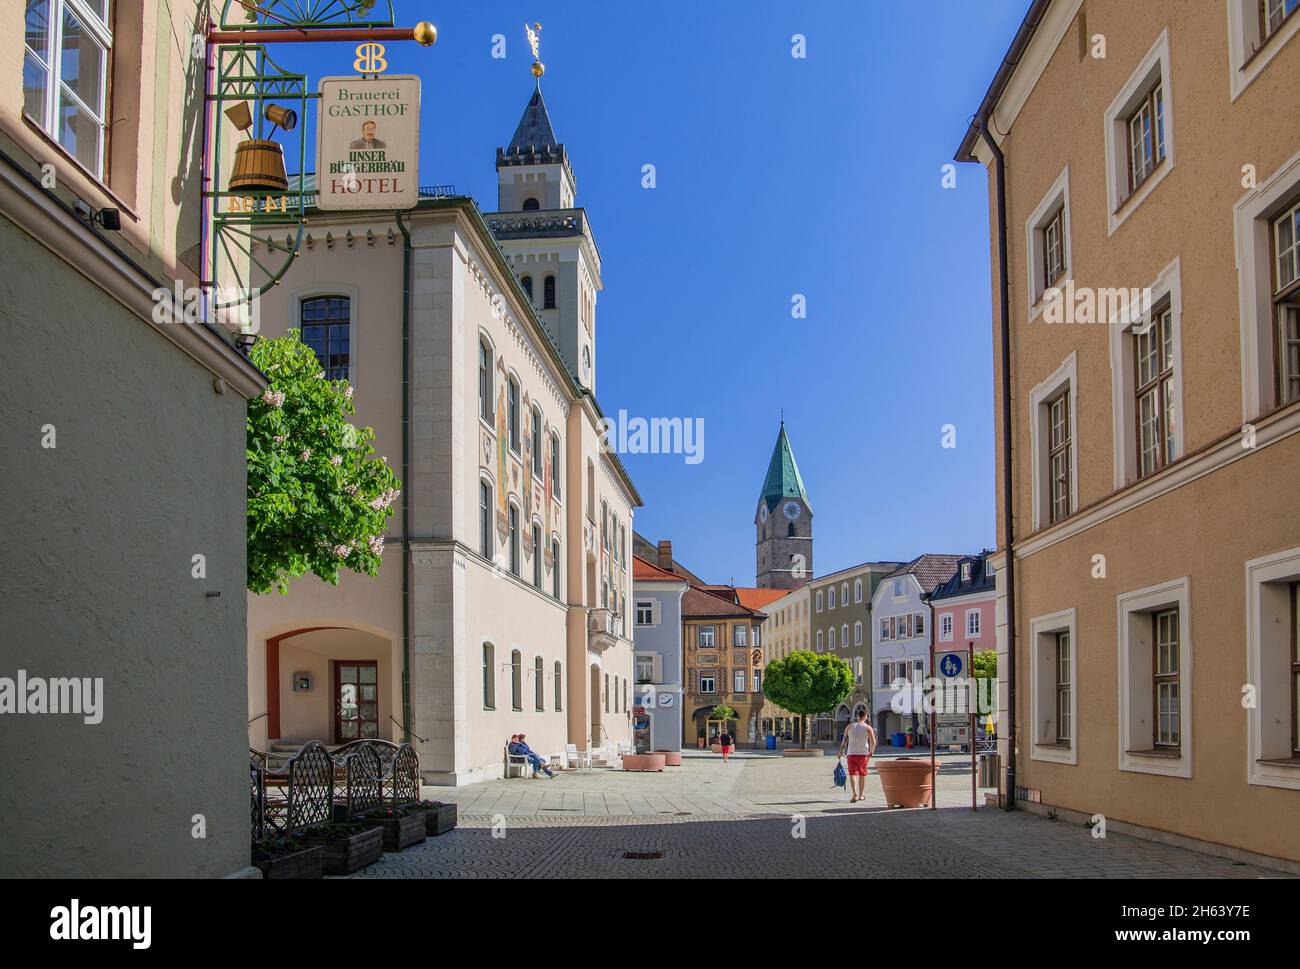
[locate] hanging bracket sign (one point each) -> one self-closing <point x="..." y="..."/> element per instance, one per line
<point x="368" y="142"/>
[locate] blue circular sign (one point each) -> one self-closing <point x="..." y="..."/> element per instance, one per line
<point x="951" y="665"/>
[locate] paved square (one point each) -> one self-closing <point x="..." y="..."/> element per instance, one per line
<point x="765" y="816"/>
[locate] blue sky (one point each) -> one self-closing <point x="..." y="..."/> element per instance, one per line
<point x="775" y="176"/>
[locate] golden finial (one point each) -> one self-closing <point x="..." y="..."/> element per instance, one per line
<point x="534" y="41"/>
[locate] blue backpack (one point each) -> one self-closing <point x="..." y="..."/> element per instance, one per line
<point x="841" y="775"/>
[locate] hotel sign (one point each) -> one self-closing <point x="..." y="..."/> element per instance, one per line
<point x="368" y="142"/>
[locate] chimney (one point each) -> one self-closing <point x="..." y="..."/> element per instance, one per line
<point x="666" y="556"/>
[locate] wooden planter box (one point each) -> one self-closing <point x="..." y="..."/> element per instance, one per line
<point x="437" y="820"/>
<point x="308" y="863"/>
<point x="400" y="833"/>
<point x="344" y="855"/>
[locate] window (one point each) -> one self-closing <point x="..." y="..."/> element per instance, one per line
<point x="918" y="626"/>
<point x="1063" y="677"/>
<point x="531" y="204"/>
<point x="607" y="693"/>
<point x="706" y="637"/>
<point x="1273" y="665"/>
<point x="844" y="594"/>
<point x="548" y="293"/>
<point x="516" y="680"/>
<point x="325" y="323"/>
<point x="559" y="687"/>
<point x="1054" y="247"/>
<point x="489" y="677"/>
<point x="830" y="598"/>
<point x="884" y="628"/>
<point x="485" y="410"/>
<point x="604" y="593"/>
<point x="819" y="600"/>
<point x="707" y="683"/>
<point x="1058" y="457"/>
<point x="758" y="681"/>
<point x="616" y="693"/>
<point x="514" y="540"/>
<point x="830" y="637"/>
<point x="512" y="413"/>
<point x="535" y="443"/>
<point x="965" y="572"/>
<point x="972" y="623"/>
<point x="604" y="524"/>
<point x="1286" y="301"/>
<point x="857" y="590"/>
<point x="555" y="465"/>
<point x="1155" y="651"/>
<point x="1139" y="132"/>
<point x="756" y="641"/>
<point x="537" y="555"/>
<point x="539" y="684"/>
<point x="739" y="635"/>
<point x="820" y="642"/>
<point x="1153" y="355"/>
<point x="1047" y="245"/>
<point x="645" y="668"/>
<point x="485" y="519"/>
<point x="898" y="588"/>
<point x="527" y="283"/>
<point x="844" y="635"/>
<point x="1165" y="679"/>
<point x="66" y="77"/>
<point x="945" y="627"/>
<point x="555" y="567"/>
<point x="1274" y="13"/>
<point x="645" y="612"/>
<point x="738" y="681"/>
<point x="857" y="634"/>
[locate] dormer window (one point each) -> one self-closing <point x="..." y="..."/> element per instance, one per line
<point x="965" y="571"/>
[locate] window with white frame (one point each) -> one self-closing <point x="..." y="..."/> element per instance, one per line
<point x="1139" y="132"/>
<point x="1257" y="31"/>
<point x="844" y="634"/>
<point x="965" y="572"/>
<point x="1053" y="420"/>
<point x="66" y="50"/>
<point x="898" y="588"/>
<point x="535" y="443"/>
<point x="857" y="633"/>
<point x="884" y="628"/>
<point x="738" y="681"/>
<point x="485" y="544"/>
<point x="844" y="594"/>
<point x="819" y="601"/>
<point x="1153" y="355"/>
<point x="739" y="635"/>
<point x="1286" y="302"/>
<point x="1273" y="665"/>
<point x="555" y="465"/>
<point x="645" y="667"/>
<point x="857" y="590"/>
<point x="707" y="637"/>
<point x="645" y="612"/>
<point x="1155" y="663"/>
<point x="708" y="683"/>
<point x="830" y="637"/>
<point x="1052" y="679"/>
<point x="945" y="627"/>
<point x="514" y="537"/>
<point x="820" y="641"/>
<point x="857" y="669"/>
<point x="537" y="555"/>
<point x="918" y="624"/>
<point x="972" y="623"/>
<point x="1047" y="245"/>
<point x="830" y="598"/>
<point x="512" y="413"/>
<point x="555" y="567"/>
<point x="485" y="404"/>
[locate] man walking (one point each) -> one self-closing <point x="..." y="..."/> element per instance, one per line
<point x="858" y="743"/>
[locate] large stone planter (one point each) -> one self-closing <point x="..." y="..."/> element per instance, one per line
<point x="906" y="782"/>
<point x="797" y="752"/>
<point x="672" y="758"/>
<point x="643" y="762"/>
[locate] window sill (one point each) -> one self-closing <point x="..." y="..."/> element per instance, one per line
<point x="487" y="424"/>
<point x="1141" y="190"/>
<point x="1266" y="42"/>
<point x="1056" y="746"/>
<point x="1167" y="754"/>
<point x="96" y="181"/>
<point x="1292" y="762"/>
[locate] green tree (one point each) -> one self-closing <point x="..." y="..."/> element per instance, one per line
<point x="722" y="712"/>
<point x="317" y="501"/>
<point x="807" y="683"/>
<point x="984" y="664"/>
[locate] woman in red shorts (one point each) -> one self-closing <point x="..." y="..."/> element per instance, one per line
<point x="858" y="743"/>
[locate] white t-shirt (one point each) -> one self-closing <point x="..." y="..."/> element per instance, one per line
<point x="859" y="740"/>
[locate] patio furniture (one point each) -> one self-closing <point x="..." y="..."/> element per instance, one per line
<point x="577" y="758"/>
<point x="517" y="762"/>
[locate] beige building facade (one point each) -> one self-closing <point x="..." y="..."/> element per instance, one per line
<point x="511" y="613"/>
<point x="1152" y="616"/>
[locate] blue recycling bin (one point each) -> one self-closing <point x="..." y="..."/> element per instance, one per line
<point x="898" y="739"/>
<point x="771" y="742"/>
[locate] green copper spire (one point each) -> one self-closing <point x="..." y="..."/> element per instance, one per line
<point x="783" y="480"/>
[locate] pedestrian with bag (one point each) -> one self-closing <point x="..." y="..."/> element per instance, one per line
<point x="857" y="744"/>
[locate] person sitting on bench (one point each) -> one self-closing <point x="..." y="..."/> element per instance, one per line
<point x="517" y="746"/>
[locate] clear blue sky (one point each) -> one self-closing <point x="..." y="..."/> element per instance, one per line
<point x="775" y="176"/>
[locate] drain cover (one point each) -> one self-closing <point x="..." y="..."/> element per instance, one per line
<point x="642" y="855"/>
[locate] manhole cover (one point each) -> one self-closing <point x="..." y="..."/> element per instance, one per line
<point x="642" y="855"/>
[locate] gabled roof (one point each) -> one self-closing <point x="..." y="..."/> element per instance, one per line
<point x="979" y="580"/>
<point x="643" y="571"/>
<point x="534" y="130"/>
<point x="758" y="598"/>
<point x="700" y="603"/>
<point x="930" y="569"/>
<point x="649" y="551"/>
<point x="783" y="479"/>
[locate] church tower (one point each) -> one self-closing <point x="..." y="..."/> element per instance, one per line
<point x="783" y="523"/>
<point x="546" y="235"/>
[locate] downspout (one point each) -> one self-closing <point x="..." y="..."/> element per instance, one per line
<point x="1008" y="492"/>
<point x="406" y="479"/>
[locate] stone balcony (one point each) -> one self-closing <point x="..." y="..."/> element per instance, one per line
<point x="604" y="627"/>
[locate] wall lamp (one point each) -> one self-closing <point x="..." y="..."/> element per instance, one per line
<point x="110" y="219"/>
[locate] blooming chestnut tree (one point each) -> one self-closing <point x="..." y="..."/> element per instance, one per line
<point x="317" y="499"/>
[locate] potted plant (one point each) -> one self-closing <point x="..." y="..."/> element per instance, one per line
<point x="288" y="857"/>
<point x="439" y="818"/>
<point x="699" y="740"/>
<point x="347" y="846"/>
<point x="401" y="827"/>
<point x="906" y="781"/>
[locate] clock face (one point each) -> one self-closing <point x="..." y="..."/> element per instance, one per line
<point x="791" y="510"/>
<point x="762" y="513"/>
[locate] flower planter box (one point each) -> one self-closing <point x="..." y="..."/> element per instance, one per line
<point x="643" y="762"/>
<point x="672" y="758"/>
<point x="400" y="832"/>
<point x="347" y="853"/>
<point x="906" y="782"/>
<point x="437" y="820"/>
<point x="307" y="863"/>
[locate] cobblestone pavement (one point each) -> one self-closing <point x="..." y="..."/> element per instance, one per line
<point x="763" y="816"/>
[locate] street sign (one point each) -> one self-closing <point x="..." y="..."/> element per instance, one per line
<point x="951" y="664"/>
<point x="368" y="142"/>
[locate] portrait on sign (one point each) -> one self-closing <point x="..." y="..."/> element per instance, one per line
<point x="368" y="139"/>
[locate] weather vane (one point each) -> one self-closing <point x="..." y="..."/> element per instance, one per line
<point x="534" y="41"/>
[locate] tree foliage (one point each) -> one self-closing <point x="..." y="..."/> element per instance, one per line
<point x="722" y="712"/>
<point x="807" y="683"/>
<point x="317" y="499"/>
<point x="984" y="664"/>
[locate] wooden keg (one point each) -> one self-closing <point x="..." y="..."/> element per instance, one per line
<point x="259" y="167"/>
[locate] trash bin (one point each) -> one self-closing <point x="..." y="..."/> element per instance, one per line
<point x="989" y="768"/>
<point x="771" y="742"/>
<point x="898" y="740"/>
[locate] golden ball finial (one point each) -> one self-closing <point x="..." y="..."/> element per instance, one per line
<point x="425" y="33"/>
<point x="538" y="69"/>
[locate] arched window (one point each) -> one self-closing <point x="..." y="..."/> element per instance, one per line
<point x="555" y="465"/>
<point x="514" y="539"/>
<point x="830" y="598"/>
<point x="844" y="635"/>
<point x="857" y="634"/>
<point x="489" y="677"/>
<point x="537" y="555"/>
<point x="485" y="380"/>
<point x="539" y="687"/>
<point x="325" y="323"/>
<point x="790" y="530"/>
<point x="531" y="204"/>
<point x="819" y="640"/>
<point x="616" y="693"/>
<point x="536" y="443"/>
<point x="607" y="693"/>
<point x="559" y="686"/>
<point x="485" y="518"/>
<point x="830" y="637"/>
<point x="844" y="594"/>
<point x="527" y="283"/>
<point x="857" y="591"/>
<point x="512" y="413"/>
<point x="555" y="567"/>
<point x="604" y="593"/>
<point x="548" y="293"/>
<point x="516" y="680"/>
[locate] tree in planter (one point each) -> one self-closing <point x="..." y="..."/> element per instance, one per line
<point x="317" y="501"/>
<point x="807" y="683"/>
